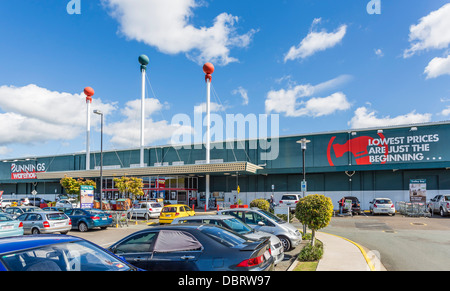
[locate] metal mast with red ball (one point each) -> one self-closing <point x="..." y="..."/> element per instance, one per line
<point x="208" y="69"/>
<point x="89" y="93"/>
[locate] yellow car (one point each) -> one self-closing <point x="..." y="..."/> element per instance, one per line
<point x="170" y="212"/>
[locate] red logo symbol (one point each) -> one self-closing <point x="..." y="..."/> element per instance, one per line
<point x="358" y="147"/>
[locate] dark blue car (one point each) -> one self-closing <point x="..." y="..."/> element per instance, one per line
<point x="57" y="253"/>
<point x="88" y="218"/>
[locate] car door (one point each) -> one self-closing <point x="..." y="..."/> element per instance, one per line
<point x="175" y="250"/>
<point x="137" y="249"/>
<point x="436" y="202"/>
<point x="76" y="216"/>
<point x="263" y="224"/>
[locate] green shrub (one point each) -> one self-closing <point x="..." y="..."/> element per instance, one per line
<point x="311" y="253"/>
<point x="261" y="204"/>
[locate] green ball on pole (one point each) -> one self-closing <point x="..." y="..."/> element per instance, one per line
<point x="143" y="60"/>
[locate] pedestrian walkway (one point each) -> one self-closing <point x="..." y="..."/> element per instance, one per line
<point x="341" y="254"/>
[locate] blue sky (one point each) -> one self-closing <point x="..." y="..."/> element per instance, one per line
<point x="320" y="65"/>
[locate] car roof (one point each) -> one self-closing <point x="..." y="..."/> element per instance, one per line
<point x="209" y="216"/>
<point x="175" y="205"/>
<point x="10" y="244"/>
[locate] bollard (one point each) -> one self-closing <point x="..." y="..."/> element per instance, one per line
<point x="205" y="207"/>
<point x="217" y="207"/>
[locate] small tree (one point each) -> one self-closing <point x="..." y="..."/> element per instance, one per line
<point x="315" y="211"/>
<point x="130" y="185"/>
<point x="261" y="204"/>
<point x="72" y="186"/>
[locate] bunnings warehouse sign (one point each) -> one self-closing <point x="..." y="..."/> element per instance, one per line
<point x="26" y="171"/>
<point x="378" y="148"/>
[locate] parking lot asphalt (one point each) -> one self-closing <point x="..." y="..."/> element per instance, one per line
<point x="400" y="242"/>
<point x="339" y="253"/>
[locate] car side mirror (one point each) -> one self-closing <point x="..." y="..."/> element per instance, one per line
<point x="260" y="223"/>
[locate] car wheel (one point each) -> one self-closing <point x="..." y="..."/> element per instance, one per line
<point x="442" y="212"/>
<point x="35" y="231"/>
<point x="286" y="243"/>
<point x="82" y="227"/>
<point x="146" y="216"/>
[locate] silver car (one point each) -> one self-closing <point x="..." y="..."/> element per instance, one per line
<point x="234" y="224"/>
<point x="45" y="222"/>
<point x="265" y="221"/>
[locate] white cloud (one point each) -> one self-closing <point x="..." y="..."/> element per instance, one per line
<point x="244" y="94"/>
<point x="35" y="115"/>
<point x="167" y="26"/>
<point x="379" y="52"/>
<point x="288" y="101"/>
<point x="364" y="118"/>
<point x="432" y="32"/>
<point x="214" y="107"/>
<point x="316" y="41"/>
<point x="127" y="132"/>
<point x="438" y="67"/>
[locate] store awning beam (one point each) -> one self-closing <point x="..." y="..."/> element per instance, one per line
<point x="240" y="167"/>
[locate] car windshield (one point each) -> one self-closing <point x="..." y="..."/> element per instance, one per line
<point x="95" y="212"/>
<point x="169" y="209"/>
<point x="70" y="256"/>
<point x="156" y="205"/>
<point x="31" y="209"/>
<point x="4" y="217"/>
<point x="383" y="201"/>
<point x="56" y="216"/>
<point x="223" y="236"/>
<point x="289" y="197"/>
<point x="237" y="225"/>
<point x="271" y="216"/>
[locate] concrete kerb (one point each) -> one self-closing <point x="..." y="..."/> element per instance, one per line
<point x="370" y="265"/>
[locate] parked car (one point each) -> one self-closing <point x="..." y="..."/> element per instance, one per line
<point x="382" y="206"/>
<point x="57" y="253"/>
<point x="236" y="225"/>
<point x="190" y="247"/>
<point x="60" y="209"/>
<point x="290" y="200"/>
<point x="356" y="205"/>
<point x="9" y="226"/>
<point x="146" y="210"/>
<point x="88" y="218"/>
<point x="19" y="210"/>
<point x="440" y="204"/>
<point x="262" y="220"/>
<point x="9" y="203"/>
<point x="67" y="203"/>
<point x="34" y="201"/>
<point x="45" y="222"/>
<point x="169" y="212"/>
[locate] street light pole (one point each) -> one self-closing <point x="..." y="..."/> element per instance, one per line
<point x="303" y="143"/>
<point x="101" y="157"/>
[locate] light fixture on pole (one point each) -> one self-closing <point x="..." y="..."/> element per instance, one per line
<point x="101" y="157"/>
<point x="208" y="69"/>
<point x="303" y="143"/>
<point x="89" y="93"/>
<point x="143" y="60"/>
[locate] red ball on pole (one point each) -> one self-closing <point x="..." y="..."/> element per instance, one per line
<point x="208" y="68"/>
<point x="89" y="93"/>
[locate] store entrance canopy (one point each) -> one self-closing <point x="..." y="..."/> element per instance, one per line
<point x="203" y="169"/>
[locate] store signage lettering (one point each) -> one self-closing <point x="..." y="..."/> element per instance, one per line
<point x="26" y="171"/>
<point x="369" y="150"/>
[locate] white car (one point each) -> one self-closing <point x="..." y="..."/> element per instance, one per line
<point x="67" y="203"/>
<point x="146" y="210"/>
<point x="290" y="200"/>
<point x="382" y="206"/>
